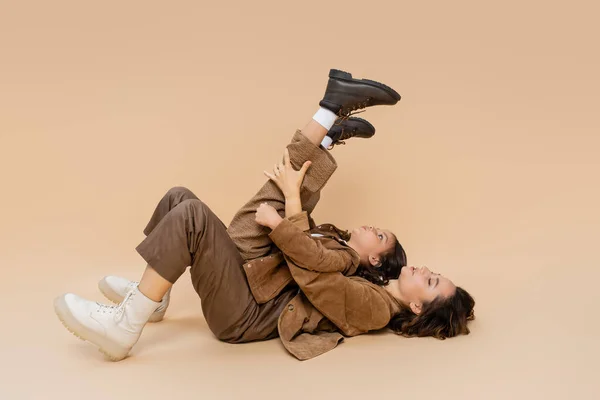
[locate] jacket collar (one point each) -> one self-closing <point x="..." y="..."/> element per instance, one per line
<point x="331" y="230"/>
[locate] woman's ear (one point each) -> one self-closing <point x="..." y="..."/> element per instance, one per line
<point x="416" y="307"/>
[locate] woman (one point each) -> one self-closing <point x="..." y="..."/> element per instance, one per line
<point x="273" y="272"/>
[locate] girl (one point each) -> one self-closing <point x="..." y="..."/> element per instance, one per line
<point x="273" y="272"/>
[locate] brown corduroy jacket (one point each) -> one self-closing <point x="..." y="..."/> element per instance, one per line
<point x="331" y="303"/>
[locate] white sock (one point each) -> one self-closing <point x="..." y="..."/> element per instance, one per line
<point x="326" y="142"/>
<point x="325" y="118"/>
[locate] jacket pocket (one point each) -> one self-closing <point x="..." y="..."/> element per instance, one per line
<point x="267" y="276"/>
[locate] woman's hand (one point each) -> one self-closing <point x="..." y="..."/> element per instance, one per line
<point x="286" y="178"/>
<point x="266" y="215"/>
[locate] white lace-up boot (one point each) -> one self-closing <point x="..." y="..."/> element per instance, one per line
<point x="114" y="329"/>
<point x="116" y="288"/>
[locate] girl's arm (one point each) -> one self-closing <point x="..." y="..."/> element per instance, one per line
<point x="289" y="182"/>
<point x="308" y="253"/>
<point x="293" y="204"/>
<point x="353" y="304"/>
<point x="289" y="235"/>
<point x="294" y="207"/>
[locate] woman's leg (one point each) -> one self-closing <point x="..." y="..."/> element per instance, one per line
<point x="169" y="201"/>
<point x="153" y="285"/>
<point x="192" y="235"/>
<point x="314" y="132"/>
<point x="343" y="95"/>
<point x="116" y="288"/>
<point x="189" y="235"/>
<point x="252" y="240"/>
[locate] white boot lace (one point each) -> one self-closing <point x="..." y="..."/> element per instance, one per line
<point x="103" y="308"/>
<point x="120" y="309"/>
<point x="131" y="286"/>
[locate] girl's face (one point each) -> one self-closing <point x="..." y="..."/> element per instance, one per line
<point x="371" y="243"/>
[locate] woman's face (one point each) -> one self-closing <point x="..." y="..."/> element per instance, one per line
<point x="371" y="242"/>
<point x="418" y="286"/>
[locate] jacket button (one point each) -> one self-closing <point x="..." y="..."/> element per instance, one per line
<point x="290" y="307"/>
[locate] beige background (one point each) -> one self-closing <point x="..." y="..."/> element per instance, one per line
<point x="487" y="170"/>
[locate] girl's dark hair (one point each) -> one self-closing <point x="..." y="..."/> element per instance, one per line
<point x="442" y="318"/>
<point x="391" y="264"/>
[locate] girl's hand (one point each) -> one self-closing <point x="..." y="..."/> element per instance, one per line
<point x="266" y="215"/>
<point x="286" y="178"/>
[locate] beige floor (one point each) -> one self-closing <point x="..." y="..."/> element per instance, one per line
<point x="488" y="170"/>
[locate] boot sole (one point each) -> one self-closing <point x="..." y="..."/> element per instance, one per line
<point x="116" y="298"/>
<point x="347" y="77"/>
<point x="111" y="350"/>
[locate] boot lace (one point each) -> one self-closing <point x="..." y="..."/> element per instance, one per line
<point x="344" y="115"/>
<point x="346" y="134"/>
<point x="346" y="112"/>
<point x="120" y="309"/>
<point x="103" y="308"/>
<point x="335" y="144"/>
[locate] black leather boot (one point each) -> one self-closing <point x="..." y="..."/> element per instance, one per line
<point x="345" y="94"/>
<point x="344" y="129"/>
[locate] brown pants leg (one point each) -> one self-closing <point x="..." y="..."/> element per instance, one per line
<point x="182" y="232"/>
<point x="252" y="239"/>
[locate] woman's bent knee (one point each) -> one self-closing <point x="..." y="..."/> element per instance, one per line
<point x="192" y="203"/>
<point x="179" y="191"/>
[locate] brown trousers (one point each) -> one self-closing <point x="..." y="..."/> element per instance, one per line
<point x="183" y="231"/>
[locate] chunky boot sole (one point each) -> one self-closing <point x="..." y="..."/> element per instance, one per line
<point x="345" y="76"/>
<point x="116" y="298"/>
<point x="106" y="346"/>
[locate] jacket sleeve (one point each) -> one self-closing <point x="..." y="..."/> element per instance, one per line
<point x="308" y="253"/>
<point x="301" y="220"/>
<point x="354" y="305"/>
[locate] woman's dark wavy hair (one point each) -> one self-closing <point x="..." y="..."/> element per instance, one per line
<point x="442" y="318"/>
